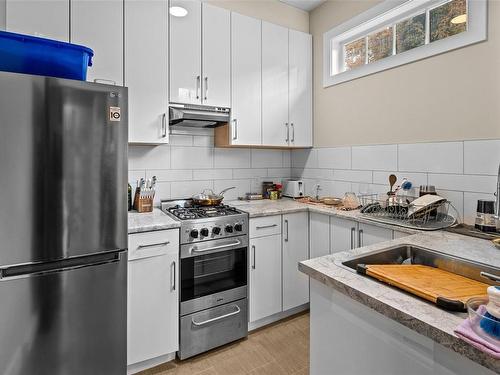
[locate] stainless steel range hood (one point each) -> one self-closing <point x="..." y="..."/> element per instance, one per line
<point x="197" y="116"/>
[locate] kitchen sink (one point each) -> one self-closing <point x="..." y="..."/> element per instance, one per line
<point x="410" y="254"/>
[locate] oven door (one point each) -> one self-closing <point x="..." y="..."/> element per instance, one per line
<point x="213" y="273"/>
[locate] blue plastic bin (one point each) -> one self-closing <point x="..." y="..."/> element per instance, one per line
<point x="32" y="55"/>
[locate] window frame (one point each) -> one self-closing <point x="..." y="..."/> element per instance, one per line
<point x="388" y="13"/>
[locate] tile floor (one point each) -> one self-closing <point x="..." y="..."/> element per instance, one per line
<point x="279" y="349"/>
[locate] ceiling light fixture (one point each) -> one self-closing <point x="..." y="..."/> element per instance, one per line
<point x="178" y="11"/>
<point x="459" y="19"/>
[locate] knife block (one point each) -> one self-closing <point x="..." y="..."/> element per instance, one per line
<point x="144" y="205"/>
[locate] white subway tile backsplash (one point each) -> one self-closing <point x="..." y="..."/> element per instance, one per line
<point x="287" y="159"/>
<point x="339" y="188"/>
<point x="212" y="174"/>
<point x="334" y="158"/>
<point x="439" y="157"/>
<point x="180" y="140"/>
<point x="231" y="158"/>
<point x="353" y="176"/>
<point x="147" y="157"/>
<point x="192" y="157"/>
<point x="165" y="175"/>
<point x="470" y="183"/>
<point x="186" y="189"/>
<point x="482" y="157"/>
<point x="203" y="141"/>
<point x="380" y="157"/>
<point x="267" y="158"/>
<point x="324" y="174"/>
<point x="307" y="158"/>
<point x="162" y="192"/>
<point x="133" y="176"/>
<point x="249" y="173"/>
<point x="279" y="172"/>
<point x="470" y="205"/>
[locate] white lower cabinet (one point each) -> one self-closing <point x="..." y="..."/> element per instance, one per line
<point x="265" y="276"/>
<point x="342" y="234"/>
<point x="371" y="234"/>
<point x="347" y="234"/>
<point x="295" y="250"/>
<point x="319" y="235"/>
<point x="153" y="306"/>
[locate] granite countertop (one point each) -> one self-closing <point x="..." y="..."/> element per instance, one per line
<point x="417" y="314"/>
<point x="268" y="207"/>
<point x="146" y="222"/>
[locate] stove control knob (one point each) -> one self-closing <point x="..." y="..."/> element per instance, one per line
<point x="216" y="230"/>
<point x="229" y="228"/>
<point x="204" y="232"/>
<point x="194" y="233"/>
<point x="238" y="227"/>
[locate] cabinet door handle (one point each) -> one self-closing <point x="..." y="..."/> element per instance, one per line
<point x="293" y="132"/>
<point x="286" y="230"/>
<point x="360" y="238"/>
<point x="153" y="245"/>
<point x="253" y="257"/>
<point x="287" y="132"/>
<point x="353" y="230"/>
<point x="174" y="275"/>
<point x="206" y="88"/>
<point x="198" y="82"/>
<point x="235" y="129"/>
<point x="266" y="226"/>
<point x="164" y="125"/>
<point x="105" y="81"/>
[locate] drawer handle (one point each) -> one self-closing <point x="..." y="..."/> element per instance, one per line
<point x="266" y="226"/>
<point x="208" y="321"/>
<point x="153" y="245"/>
<point x="105" y="81"/>
<point x="490" y="276"/>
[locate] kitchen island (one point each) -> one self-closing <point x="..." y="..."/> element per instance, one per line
<point x="359" y="325"/>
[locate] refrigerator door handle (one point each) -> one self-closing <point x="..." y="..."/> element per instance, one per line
<point x="44" y="268"/>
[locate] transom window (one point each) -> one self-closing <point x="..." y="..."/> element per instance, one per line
<point x="398" y="32"/>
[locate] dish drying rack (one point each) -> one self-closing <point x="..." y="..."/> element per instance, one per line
<point x="400" y="211"/>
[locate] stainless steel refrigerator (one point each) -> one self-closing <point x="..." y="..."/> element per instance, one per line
<point x="63" y="226"/>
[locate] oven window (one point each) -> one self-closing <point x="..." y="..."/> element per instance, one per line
<point x="212" y="273"/>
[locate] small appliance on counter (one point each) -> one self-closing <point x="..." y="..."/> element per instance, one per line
<point x="485" y="216"/>
<point x="293" y="189"/>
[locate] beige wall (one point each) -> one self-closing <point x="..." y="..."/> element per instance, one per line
<point x="453" y="96"/>
<point x="268" y="10"/>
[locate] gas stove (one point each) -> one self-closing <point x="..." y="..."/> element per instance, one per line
<point x="204" y="223"/>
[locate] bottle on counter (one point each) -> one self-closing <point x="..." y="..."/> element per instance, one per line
<point x="129" y="197"/>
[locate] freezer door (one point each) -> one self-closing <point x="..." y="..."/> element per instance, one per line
<point x="63" y="161"/>
<point x="69" y="320"/>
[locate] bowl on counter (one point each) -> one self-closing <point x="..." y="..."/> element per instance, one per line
<point x="476" y="316"/>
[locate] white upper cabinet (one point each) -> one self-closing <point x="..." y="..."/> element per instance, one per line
<point x="43" y="18"/>
<point x="146" y="70"/>
<point x="246" y="99"/>
<point x="185" y="51"/>
<point x="98" y="24"/>
<point x="216" y="56"/>
<point x="300" y="88"/>
<point x="275" y="126"/>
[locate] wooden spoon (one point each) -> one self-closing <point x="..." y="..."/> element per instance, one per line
<point x="392" y="180"/>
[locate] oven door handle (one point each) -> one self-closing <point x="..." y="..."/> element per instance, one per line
<point x="208" y="321"/>
<point x="194" y="249"/>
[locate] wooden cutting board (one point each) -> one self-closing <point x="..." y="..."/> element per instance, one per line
<point x="443" y="288"/>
